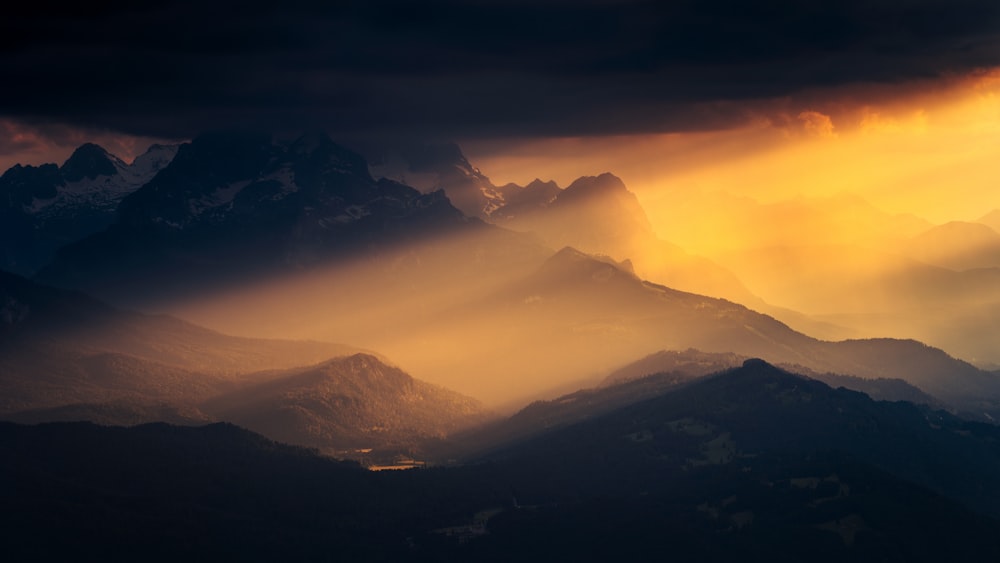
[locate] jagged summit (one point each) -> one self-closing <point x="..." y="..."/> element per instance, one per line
<point x="318" y="150"/>
<point x="438" y="158"/>
<point x="571" y="259"/>
<point x="595" y="213"/>
<point x="591" y="186"/>
<point x="89" y="161"/>
<point x="48" y="206"/>
<point x="538" y="183"/>
<point x="519" y="201"/>
<point x="235" y="203"/>
<point x="441" y="166"/>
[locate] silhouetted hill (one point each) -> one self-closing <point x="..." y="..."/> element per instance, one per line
<point x="644" y="379"/>
<point x="115" y="413"/>
<point x="349" y="403"/>
<point x="693" y="363"/>
<point x="760" y="410"/>
<point x="163" y="493"/>
<point x="755" y="464"/>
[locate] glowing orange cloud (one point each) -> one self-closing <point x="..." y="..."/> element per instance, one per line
<point x="928" y="150"/>
<point x="818" y="124"/>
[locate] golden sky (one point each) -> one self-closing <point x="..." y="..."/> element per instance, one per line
<point x="930" y="150"/>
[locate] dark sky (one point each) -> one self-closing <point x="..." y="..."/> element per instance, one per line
<point x="465" y="69"/>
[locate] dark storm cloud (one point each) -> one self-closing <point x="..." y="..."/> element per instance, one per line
<point x="465" y="68"/>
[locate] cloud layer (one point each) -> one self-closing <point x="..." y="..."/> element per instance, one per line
<point x="466" y="68"/>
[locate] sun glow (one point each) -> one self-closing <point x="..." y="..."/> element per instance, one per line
<point x="928" y="152"/>
<point x="816" y="204"/>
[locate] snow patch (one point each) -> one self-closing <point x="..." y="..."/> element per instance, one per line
<point x="221" y="196"/>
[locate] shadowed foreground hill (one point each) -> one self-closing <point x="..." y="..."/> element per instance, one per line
<point x="760" y="410"/>
<point x="691" y="363"/>
<point x="754" y="464"/>
<point x="163" y="493"/>
<point x="644" y="379"/>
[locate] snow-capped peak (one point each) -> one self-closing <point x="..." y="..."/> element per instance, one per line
<point x="92" y="179"/>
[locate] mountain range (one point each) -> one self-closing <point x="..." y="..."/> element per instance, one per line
<point x="46" y="207"/>
<point x="581" y="389"/>
<point x="65" y="356"/>
<point x="596" y="214"/>
<point x="841" y="261"/>
<point x="295" y="238"/>
<point x="235" y="206"/>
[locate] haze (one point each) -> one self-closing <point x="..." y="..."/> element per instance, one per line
<point x="799" y="174"/>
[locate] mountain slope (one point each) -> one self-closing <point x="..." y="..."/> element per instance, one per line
<point x="691" y="364"/>
<point x="991" y="219"/>
<point x="163" y="493"/>
<point x="349" y="403"/>
<point x="957" y="246"/>
<point x="879" y="292"/>
<point x="753" y="464"/>
<point x="592" y="315"/>
<point x="236" y="206"/>
<point x="59" y="347"/>
<point x="600" y="215"/>
<point x="644" y="379"/>
<point x="596" y="214"/>
<point x="46" y="207"/>
<point x="430" y="167"/>
<point x="760" y="410"/>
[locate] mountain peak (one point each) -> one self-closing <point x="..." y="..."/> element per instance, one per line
<point x="310" y="142"/>
<point x="89" y="161"/>
<point x="538" y="184"/>
<point x="358" y="361"/>
<point x="348" y="402"/>
<point x="595" y="185"/>
<point x="579" y="265"/>
<point x="569" y="254"/>
<point x="440" y="158"/>
<point x="757" y="364"/>
<point x="316" y="154"/>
